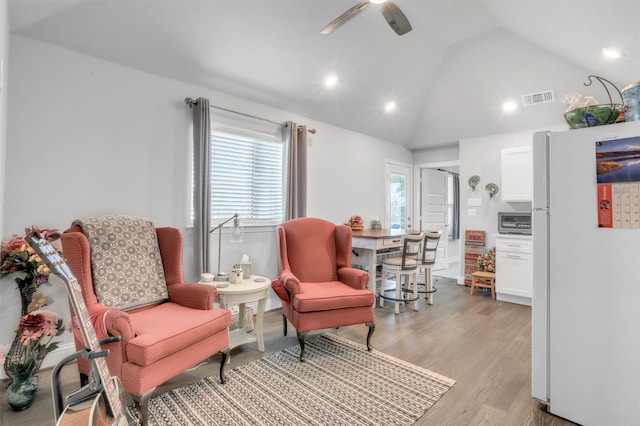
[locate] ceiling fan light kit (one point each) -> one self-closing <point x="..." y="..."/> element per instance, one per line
<point x="392" y="13"/>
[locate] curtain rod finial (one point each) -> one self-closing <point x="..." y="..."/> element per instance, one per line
<point x="190" y="102"/>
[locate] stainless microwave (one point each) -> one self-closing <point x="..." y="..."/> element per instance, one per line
<point x="514" y="223"/>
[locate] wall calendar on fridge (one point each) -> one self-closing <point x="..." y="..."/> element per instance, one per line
<point x="618" y="177"/>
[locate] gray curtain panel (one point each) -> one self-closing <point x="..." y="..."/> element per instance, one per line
<point x="295" y="138"/>
<point x="201" y="187"/>
<point x="455" y="231"/>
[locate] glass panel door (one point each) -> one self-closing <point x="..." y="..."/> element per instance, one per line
<point x="398" y="197"/>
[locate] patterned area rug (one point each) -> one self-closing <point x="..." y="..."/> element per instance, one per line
<point x="340" y="383"/>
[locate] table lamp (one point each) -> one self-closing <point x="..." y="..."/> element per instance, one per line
<point x="236" y="235"/>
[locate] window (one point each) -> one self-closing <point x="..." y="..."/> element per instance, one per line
<point x="398" y="186"/>
<point x="246" y="170"/>
<point x="246" y="177"/>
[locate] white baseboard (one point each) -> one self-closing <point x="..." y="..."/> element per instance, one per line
<point x="513" y="299"/>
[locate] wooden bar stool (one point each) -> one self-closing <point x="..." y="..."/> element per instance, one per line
<point x="428" y="259"/>
<point x="484" y="279"/>
<point x="403" y="266"/>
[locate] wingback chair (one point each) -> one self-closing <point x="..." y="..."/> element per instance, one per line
<point x="160" y="339"/>
<point x="317" y="285"/>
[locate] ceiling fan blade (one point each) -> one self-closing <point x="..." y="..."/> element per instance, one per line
<point x="396" y="19"/>
<point x="345" y="17"/>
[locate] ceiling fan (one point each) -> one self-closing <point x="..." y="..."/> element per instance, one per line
<point x="392" y="13"/>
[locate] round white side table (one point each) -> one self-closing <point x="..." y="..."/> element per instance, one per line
<point x="248" y="291"/>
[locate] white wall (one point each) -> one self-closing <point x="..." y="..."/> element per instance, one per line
<point x="5" y="337"/>
<point x="347" y="174"/>
<point x="482" y="156"/>
<point x="89" y="137"/>
<point x="442" y="154"/>
<point x="4" y="82"/>
<point x="484" y="72"/>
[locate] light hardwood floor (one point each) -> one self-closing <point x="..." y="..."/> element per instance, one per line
<point x="485" y="345"/>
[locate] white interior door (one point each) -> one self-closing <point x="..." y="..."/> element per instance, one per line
<point x="398" y="196"/>
<point x="434" y="210"/>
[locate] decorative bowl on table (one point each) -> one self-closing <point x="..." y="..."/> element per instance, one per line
<point x="594" y="115"/>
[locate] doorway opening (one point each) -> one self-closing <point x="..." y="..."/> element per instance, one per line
<point x="436" y="210"/>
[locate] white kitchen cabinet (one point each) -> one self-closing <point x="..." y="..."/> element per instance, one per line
<point x="517" y="174"/>
<point x="514" y="269"/>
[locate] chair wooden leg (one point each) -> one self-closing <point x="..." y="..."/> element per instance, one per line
<point x="414" y="276"/>
<point x="142" y="404"/>
<point x="284" y="324"/>
<point x="372" y="328"/>
<point x="429" y="285"/>
<point x="301" y="337"/>
<point x="225" y="355"/>
<point x="398" y="293"/>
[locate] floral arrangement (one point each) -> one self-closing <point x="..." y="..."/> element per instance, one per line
<point x="18" y="259"/>
<point x="356" y="223"/>
<point x="487" y="262"/>
<point x="35" y="332"/>
<point x="37" y="328"/>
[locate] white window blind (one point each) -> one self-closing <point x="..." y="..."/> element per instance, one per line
<point x="246" y="176"/>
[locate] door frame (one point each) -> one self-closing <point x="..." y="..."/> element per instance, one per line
<point x="416" y="180"/>
<point x="435" y="182"/>
<point x="417" y="193"/>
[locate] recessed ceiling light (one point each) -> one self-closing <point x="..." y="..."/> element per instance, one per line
<point x="509" y="106"/>
<point x="331" y="80"/>
<point x="390" y="106"/>
<point x="612" y="53"/>
<point x="377" y="1"/>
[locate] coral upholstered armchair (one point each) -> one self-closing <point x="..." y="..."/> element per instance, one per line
<point x="166" y="326"/>
<point x="317" y="285"/>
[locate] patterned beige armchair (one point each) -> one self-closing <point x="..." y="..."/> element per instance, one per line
<point x="166" y="325"/>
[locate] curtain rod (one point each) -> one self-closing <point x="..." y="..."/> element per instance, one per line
<point x="191" y="102"/>
<point x="447" y="171"/>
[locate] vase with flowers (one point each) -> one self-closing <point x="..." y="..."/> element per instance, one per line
<point x="19" y="261"/>
<point x="487" y="261"/>
<point x="35" y="333"/>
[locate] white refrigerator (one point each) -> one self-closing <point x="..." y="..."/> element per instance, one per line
<point x="586" y="295"/>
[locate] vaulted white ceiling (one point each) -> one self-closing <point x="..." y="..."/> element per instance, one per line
<point x="448" y="76"/>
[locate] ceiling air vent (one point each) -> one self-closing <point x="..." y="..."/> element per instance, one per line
<point x="544" y="97"/>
